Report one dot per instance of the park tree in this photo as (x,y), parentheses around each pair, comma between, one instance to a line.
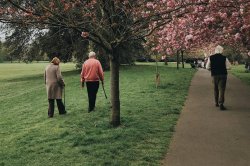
(17,43)
(67,44)
(227,23)
(176,42)
(64,43)
(3,52)
(29,44)
(219,22)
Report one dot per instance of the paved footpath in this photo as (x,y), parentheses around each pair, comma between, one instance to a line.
(206,136)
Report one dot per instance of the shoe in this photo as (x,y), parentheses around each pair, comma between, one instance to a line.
(91,109)
(222,107)
(50,116)
(63,113)
(216,105)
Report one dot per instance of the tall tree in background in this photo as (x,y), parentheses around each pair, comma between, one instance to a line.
(3,52)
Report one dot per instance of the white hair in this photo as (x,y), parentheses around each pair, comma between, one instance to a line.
(91,54)
(218,50)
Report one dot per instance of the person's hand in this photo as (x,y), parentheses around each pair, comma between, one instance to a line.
(62,85)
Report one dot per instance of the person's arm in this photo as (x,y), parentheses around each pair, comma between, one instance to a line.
(59,77)
(228,64)
(208,65)
(82,76)
(45,77)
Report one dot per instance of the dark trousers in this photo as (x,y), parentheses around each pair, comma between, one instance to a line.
(219,83)
(92,88)
(51,108)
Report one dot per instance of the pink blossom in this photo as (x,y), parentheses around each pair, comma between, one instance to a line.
(241,11)
(170,4)
(188,37)
(237,36)
(223,15)
(85,34)
(235,14)
(150,5)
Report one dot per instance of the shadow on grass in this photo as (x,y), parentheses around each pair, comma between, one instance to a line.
(166,86)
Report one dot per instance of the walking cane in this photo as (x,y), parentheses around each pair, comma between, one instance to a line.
(106,96)
(104,91)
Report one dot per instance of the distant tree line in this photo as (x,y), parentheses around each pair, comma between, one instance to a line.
(3,52)
(28,45)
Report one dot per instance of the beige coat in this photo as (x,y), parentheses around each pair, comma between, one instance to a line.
(54,81)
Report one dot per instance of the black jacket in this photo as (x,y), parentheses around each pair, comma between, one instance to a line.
(218,65)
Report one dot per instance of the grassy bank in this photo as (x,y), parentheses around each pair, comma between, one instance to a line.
(18,70)
(240,72)
(148,116)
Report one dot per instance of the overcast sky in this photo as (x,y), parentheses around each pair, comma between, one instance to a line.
(2,36)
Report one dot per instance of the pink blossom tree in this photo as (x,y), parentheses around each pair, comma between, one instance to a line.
(218,22)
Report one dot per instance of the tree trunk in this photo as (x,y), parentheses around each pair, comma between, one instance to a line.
(177,60)
(182,59)
(114,89)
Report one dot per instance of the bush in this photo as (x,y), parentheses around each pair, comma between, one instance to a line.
(2,57)
(3,54)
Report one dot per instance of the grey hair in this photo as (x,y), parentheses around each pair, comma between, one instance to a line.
(91,54)
(218,50)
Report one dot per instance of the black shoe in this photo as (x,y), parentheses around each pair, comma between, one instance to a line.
(63,113)
(91,109)
(216,105)
(222,107)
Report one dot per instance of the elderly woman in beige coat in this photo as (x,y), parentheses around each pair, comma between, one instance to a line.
(54,86)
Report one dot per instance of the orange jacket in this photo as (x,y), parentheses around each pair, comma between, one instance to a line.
(92,71)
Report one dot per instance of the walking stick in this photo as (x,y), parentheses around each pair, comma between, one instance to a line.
(106,96)
(104,91)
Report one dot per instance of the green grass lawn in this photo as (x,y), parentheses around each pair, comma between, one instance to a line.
(14,70)
(148,117)
(240,72)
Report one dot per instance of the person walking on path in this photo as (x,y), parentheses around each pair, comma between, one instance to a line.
(218,64)
(91,73)
(54,86)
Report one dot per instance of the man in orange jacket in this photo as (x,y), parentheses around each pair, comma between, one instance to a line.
(91,73)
